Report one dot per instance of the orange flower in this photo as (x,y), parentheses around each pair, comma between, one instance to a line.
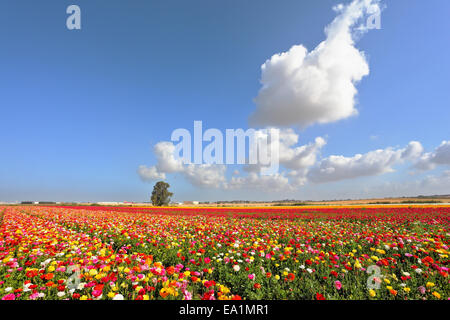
(163,293)
(393,292)
(170,270)
(49,276)
(291,276)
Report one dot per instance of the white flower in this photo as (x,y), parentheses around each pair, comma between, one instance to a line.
(302,266)
(61,294)
(8,289)
(309,270)
(236,268)
(407,274)
(118,297)
(418,270)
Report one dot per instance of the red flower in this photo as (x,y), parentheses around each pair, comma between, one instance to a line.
(320,296)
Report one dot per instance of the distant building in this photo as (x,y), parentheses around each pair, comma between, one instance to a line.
(110,203)
(190,202)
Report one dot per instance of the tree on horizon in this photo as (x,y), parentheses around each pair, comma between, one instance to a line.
(160,194)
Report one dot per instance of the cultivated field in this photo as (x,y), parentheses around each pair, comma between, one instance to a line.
(117,253)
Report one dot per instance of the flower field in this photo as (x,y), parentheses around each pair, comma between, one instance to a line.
(86,253)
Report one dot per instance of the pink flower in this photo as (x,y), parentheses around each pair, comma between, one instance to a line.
(187,295)
(97,293)
(251,276)
(338,285)
(10,296)
(34,296)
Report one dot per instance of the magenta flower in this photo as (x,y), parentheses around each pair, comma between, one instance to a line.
(10,296)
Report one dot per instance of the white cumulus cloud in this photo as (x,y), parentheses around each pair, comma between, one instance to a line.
(150,173)
(440,156)
(205,175)
(303,88)
(267,183)
(336,167)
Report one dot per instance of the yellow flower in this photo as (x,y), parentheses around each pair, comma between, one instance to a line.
(387,281)
(51,269)
(92,272)
(430,284)
(372,293)
(224,289)
(111,294)
(84,297)
(277,277)
(406,289)
(146,297)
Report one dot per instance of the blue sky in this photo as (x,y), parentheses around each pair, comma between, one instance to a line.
(82,109)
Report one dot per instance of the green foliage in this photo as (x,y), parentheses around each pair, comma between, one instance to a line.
(161,195)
